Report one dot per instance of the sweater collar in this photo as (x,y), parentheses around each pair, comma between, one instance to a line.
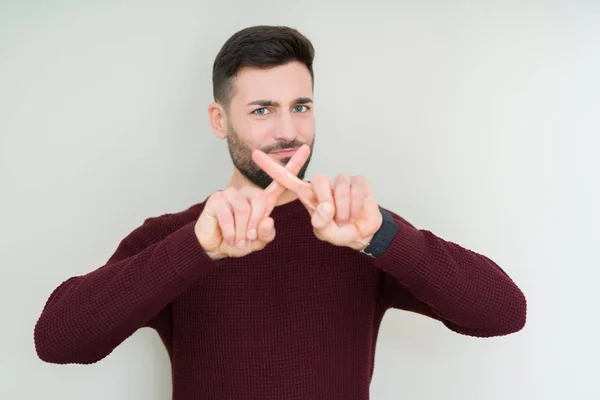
(288,209)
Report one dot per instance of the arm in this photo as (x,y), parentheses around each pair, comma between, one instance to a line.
(467,291)
(88,316)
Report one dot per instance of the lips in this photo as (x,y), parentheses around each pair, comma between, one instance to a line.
(285,152)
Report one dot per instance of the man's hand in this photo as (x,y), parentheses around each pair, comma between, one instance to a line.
(344,210)
(235,223)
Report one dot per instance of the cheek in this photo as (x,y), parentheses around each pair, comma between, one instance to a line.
(259,132)
(305,127)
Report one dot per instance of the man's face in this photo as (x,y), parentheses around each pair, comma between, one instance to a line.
(271,110)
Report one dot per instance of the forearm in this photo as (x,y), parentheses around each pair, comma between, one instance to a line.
(468,291)
(88,316)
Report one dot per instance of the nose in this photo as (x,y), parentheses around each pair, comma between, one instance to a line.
(286,129)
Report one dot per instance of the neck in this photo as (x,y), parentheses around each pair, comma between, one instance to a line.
(239,181)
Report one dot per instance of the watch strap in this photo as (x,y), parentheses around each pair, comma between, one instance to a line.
(383,237)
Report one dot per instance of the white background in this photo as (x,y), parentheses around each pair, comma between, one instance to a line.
(479,121)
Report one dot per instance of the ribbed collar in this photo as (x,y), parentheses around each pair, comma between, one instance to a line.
(282,211)
(288,209)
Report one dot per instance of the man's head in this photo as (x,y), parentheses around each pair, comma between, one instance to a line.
(263,91)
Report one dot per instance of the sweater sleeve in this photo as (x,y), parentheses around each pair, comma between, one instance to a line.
(88,316)
(466,291)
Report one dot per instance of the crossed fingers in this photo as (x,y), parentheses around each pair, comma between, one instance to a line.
(285,177)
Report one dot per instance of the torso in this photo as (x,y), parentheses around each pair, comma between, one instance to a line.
(297,320)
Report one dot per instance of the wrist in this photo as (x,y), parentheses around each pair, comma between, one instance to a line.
(363,243)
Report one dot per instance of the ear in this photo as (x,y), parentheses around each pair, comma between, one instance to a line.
(218,120)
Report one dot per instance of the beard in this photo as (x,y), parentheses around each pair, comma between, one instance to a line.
(241,156)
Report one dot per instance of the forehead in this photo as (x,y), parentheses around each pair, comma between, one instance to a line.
(282,83)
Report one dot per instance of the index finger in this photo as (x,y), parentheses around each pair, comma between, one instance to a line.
(275,189)
(284,178)
(292,167)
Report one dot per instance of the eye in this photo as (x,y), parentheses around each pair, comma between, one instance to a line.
(301,108)
(261,111)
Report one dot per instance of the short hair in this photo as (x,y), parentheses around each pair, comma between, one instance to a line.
(261,46)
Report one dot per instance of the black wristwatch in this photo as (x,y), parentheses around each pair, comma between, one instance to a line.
(383,237)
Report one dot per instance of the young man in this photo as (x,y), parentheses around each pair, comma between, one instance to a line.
(275,287)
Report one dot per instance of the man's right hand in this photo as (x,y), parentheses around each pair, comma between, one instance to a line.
(237,222)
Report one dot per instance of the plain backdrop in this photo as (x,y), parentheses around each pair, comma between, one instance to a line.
(479,121)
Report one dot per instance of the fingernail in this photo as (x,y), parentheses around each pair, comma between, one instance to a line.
(252,234)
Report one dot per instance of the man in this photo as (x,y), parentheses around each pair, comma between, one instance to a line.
(275,287)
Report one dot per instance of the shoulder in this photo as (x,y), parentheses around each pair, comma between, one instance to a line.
(172,221)
(154,230)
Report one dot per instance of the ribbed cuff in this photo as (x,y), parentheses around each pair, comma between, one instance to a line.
(188,259)
(404,253)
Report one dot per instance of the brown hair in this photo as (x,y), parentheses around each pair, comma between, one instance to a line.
(259,46)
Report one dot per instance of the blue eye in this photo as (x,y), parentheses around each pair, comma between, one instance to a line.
(300,109)
(261,111)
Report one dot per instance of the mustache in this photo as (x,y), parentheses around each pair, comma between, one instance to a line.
(295,144)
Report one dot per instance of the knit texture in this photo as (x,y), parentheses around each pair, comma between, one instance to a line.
(297,320)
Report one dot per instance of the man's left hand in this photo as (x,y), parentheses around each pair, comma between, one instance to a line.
(343,210)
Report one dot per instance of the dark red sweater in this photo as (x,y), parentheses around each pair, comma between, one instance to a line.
(297,320)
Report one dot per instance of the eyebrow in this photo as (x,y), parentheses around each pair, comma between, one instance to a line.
(270,103)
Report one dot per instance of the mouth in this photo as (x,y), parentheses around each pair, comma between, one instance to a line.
(284,153)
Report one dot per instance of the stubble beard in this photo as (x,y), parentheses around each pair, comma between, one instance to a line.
(241,156)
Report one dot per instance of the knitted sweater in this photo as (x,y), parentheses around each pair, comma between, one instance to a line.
(296,320)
